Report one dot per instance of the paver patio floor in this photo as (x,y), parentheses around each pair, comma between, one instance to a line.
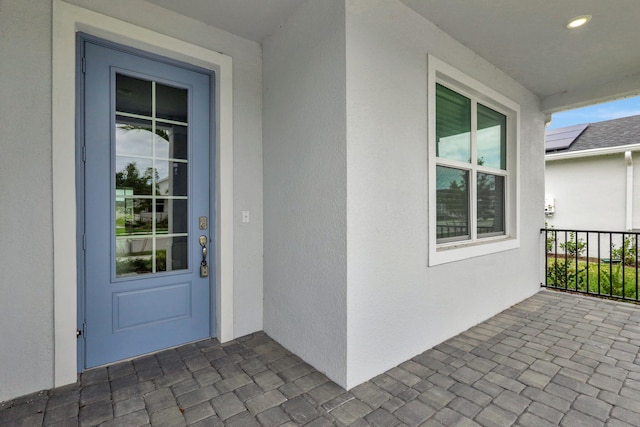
(554,359)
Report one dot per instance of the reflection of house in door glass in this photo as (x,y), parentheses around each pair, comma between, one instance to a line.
(151,177)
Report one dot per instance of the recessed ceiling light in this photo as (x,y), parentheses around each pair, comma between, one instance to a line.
(578,21)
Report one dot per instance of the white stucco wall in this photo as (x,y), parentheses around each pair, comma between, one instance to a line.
(305,186)
(590,192)
(26,240)
(26,248)
(397,306)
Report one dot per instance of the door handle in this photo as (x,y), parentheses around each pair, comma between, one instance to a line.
(204,268)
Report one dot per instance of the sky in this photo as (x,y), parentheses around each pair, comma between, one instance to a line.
(596,113)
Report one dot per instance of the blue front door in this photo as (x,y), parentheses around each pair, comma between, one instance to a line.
(146,203)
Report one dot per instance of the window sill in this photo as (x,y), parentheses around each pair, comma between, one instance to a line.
(457,251)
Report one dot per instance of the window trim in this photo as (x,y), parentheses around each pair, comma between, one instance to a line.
(440,253)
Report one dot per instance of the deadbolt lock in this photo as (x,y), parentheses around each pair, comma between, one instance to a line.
(203,222)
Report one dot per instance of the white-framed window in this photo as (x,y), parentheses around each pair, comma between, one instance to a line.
(473,141)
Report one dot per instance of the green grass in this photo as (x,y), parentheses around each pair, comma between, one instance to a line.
(594,277)
(120,227)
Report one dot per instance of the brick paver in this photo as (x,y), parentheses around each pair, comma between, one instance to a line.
(554,359)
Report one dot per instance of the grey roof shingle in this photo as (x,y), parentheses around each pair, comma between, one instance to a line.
(610,133)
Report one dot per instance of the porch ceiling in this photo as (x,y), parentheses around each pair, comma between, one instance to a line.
(529,41)
(526,39)
(251,19)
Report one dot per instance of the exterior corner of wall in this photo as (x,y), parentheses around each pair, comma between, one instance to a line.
(304,152)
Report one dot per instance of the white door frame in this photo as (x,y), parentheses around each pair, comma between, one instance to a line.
(67,21)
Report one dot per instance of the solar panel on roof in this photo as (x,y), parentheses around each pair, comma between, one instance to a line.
(562,138)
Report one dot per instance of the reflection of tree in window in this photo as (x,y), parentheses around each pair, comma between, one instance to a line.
(490,193)
(130,178)
(450,199)
(486,200)
(452,202)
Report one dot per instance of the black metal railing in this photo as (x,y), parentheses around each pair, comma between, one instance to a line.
(601,263)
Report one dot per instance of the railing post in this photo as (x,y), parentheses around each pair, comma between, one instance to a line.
(610,264)
(635,240)
(623,262)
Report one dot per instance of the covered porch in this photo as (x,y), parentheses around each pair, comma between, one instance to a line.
(553,359)
(325,133)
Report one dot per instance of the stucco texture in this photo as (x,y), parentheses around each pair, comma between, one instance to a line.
(305,186)
(26,235)
(390,305)
(395,301)
(590,192)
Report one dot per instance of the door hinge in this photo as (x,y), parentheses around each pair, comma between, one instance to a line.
(84,65)
(84,242)
(81,332)
(84,153)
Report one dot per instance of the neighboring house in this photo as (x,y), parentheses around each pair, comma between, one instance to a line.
(366,175)
(592,174)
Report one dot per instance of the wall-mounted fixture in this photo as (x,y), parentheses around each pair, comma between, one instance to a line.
(549,205)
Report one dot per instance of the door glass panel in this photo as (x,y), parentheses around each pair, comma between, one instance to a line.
(171,103)
(133,215)
(171,142)
(134,174)
(133,256)
(172,178)
(171,253)
(151,178)
(134,137)
(133,95)
(171,216)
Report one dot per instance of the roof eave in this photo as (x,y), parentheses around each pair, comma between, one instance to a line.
(591,153)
